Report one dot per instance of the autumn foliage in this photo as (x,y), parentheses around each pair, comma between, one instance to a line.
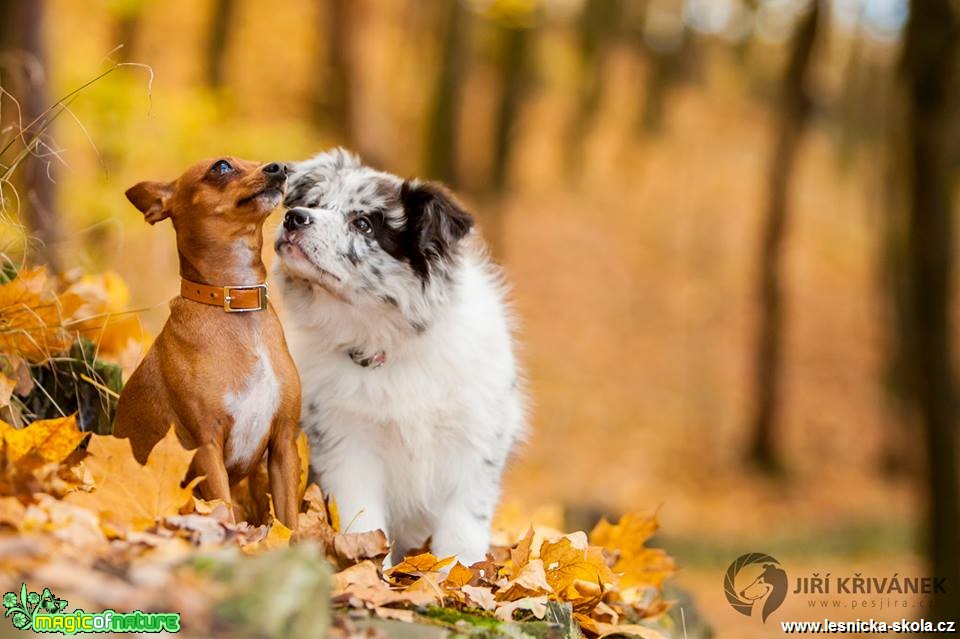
(79,502)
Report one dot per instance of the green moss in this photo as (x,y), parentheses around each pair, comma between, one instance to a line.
(452,617)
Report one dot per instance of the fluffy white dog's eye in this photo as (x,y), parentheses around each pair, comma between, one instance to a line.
(362,225)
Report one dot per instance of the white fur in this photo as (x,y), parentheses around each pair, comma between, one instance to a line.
(253,408)
(417,446)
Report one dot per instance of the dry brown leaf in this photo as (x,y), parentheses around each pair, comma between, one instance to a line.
(480,596)
(353,547)
(530,581)
(536,605)
(426,590)
(156,491)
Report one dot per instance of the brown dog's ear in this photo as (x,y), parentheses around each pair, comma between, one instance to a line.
(152,199)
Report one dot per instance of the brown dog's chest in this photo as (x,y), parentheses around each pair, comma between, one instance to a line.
(252,408)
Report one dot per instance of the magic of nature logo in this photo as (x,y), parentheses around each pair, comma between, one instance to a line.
(755,582)
(44,612)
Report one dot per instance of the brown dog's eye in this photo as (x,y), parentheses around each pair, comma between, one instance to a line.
(362,224)
(221,167)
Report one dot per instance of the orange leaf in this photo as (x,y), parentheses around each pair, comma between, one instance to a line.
(530,581)
(637,565)
(131,495)
(419,564)
(52,440)
(303,452)
(565,564)
(459,576)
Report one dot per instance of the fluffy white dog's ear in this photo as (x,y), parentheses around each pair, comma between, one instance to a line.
(436,217)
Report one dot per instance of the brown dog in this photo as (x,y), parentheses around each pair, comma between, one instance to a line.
(219,370)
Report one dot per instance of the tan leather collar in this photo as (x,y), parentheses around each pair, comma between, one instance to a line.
(232,299)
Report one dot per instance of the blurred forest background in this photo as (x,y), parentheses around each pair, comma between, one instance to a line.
(727,225)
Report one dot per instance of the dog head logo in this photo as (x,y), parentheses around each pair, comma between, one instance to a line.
(755,581)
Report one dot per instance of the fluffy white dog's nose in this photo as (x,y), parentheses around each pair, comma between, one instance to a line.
(297,219)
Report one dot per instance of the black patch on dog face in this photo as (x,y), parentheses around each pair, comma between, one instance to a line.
(435,224)
(297,190)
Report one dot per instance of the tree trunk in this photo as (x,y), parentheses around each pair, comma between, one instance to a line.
(23,32)
(219,34)
(794,113)
(126,29)
(333,95)
(929,56)
(598,23)
(440,160)
(512,71)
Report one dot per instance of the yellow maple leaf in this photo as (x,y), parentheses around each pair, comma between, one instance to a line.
(130,495)
(30,317)
(459,576)
(50,440)
(636,564)
(565,564)
(419,564)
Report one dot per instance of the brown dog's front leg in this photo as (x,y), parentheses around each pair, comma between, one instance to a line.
(208,461)
(283,464)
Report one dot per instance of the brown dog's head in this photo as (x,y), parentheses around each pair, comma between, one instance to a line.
(228,188)
(218,208)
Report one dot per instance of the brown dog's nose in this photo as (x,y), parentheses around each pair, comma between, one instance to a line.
(296,219)
(275,169)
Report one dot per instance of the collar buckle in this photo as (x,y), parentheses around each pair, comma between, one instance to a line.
(228,292)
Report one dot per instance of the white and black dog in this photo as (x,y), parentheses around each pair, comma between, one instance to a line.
(397,323)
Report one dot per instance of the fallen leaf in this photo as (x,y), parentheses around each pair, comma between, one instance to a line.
(50,440)
(303,452)
(636,564)
(530,581)
(459,576)
(277,537)
(565,564)
(129,495)
(30,316)
(536,605)
(480,596)
(419,564)
(353,547)
(521,553)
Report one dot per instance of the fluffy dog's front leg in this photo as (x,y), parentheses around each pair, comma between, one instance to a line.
(462,528)
(355,480)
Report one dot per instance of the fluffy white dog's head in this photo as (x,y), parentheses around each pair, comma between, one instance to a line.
(370,238)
